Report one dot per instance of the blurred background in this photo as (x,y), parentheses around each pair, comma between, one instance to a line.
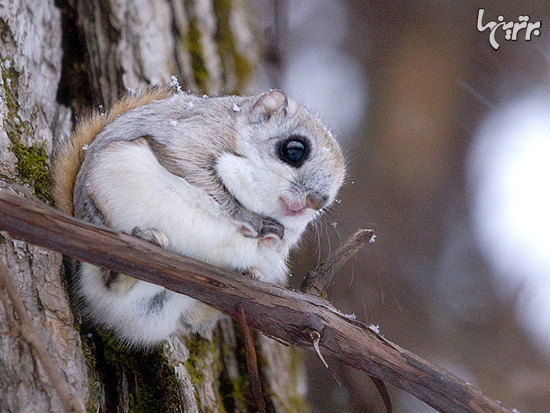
(448,148)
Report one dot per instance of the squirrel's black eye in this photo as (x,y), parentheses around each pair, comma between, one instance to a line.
(294,150)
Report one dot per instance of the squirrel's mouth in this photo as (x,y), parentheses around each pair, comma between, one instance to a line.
(292,208)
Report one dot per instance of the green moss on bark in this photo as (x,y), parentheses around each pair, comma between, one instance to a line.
(193,45)
(32,161)
(232,60)
(147,378)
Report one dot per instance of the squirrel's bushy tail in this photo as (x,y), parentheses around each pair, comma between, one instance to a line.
(71,155)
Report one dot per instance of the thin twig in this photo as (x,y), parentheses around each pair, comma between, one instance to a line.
(383,390)
(251,360)
(26,329)
(316,338)
(318,280)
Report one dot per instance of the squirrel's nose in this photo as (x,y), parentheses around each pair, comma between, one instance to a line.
(316,200)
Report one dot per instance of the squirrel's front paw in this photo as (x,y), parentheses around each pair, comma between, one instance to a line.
(252,225)
(271,229)
(271,234)
(152,235)
(249,224)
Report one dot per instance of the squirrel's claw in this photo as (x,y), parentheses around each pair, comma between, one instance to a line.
(272,228)
(152,235)
(252,225)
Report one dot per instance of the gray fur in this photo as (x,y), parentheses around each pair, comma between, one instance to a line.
(180,131)
(219,163)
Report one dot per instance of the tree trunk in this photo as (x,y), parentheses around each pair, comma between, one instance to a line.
(83,54)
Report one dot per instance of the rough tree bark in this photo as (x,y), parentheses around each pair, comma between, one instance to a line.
(58,59)
(30,53)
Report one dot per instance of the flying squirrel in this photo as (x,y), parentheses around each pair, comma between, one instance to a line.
(232,181)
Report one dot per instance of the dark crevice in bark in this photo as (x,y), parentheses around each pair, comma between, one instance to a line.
(75,90)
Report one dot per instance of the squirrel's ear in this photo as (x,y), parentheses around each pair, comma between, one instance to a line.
(267,105)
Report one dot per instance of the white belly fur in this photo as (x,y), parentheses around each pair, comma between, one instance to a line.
(133,190)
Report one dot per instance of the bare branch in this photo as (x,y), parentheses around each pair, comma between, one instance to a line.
(318,280)
(289,316)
